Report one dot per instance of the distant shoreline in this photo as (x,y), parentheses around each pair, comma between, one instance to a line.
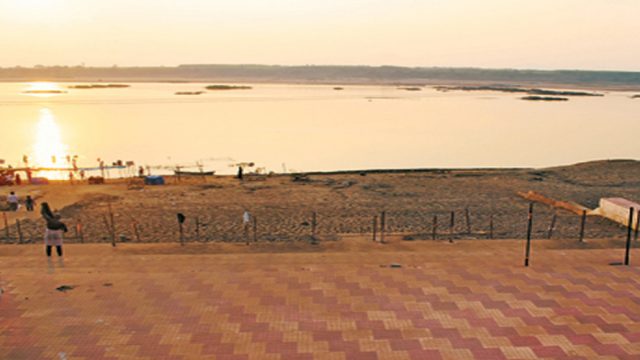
(332,76)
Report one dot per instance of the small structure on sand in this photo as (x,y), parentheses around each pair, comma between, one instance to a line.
(617,210)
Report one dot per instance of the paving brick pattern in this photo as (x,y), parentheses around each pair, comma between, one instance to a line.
(568,304)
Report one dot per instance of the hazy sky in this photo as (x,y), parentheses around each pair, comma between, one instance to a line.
(546,34)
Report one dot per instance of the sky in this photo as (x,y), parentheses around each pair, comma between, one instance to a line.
(524,34)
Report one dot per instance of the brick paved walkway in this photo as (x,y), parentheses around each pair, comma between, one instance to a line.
(449,304)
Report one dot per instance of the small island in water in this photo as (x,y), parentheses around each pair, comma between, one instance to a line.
(410,88)
(190,93)
(544,98)
(228,87)
(636,96)
(517,90)
(42,92)
(98,86)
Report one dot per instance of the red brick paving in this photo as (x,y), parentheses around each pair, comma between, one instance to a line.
(450,304)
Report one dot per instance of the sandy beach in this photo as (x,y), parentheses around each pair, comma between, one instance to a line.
(344,203)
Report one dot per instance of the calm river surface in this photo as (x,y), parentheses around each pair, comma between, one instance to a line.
(314,127)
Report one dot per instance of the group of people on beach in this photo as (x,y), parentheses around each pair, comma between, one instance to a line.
(14,202)
(54,228)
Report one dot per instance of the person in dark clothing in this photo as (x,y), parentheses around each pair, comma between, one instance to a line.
(54,230)
(240,171)
(29,203)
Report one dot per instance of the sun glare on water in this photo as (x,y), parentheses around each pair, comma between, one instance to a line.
(49,151)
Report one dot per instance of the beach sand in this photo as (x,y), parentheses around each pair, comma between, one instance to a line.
(344,203)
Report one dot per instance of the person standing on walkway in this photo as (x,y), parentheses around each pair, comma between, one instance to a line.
(54,230)
(12,199)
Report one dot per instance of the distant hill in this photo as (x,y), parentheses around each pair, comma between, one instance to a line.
(392,75)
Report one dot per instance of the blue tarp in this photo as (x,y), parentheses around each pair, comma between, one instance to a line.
(154,180)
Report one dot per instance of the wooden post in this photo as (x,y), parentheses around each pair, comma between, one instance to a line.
(552,226)
(255,228)
(108,226)
(197,229)
(629,226)
(434,230)
(491,226)
(468,220)
(6,225)
(113,227)
(76,232)
(80,231)
(383,219)
(313,224)
(529,227)
(375,227)
(635,236)
(136,232)
(582,223)
(181,229)
(452,224)
(20,239)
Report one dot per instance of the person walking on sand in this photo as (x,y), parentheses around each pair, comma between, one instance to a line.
(54,230)
(240,172)
(29,203)
(12,199)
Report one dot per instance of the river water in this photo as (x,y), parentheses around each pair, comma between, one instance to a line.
(315,127)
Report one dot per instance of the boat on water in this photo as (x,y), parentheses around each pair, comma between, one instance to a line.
(194,173)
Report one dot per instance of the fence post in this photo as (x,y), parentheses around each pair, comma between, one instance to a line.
(529,226)
(136,232)
(375,227)
(451,226)
(629,226)
(635,236)
(313,225)
(255,228)
(383,219)
(582,224)
(434,233)
(6,225)
(20,239)
(491,226)
(198,228)
(552,226)
(79,231)
(113,227)
(468,220)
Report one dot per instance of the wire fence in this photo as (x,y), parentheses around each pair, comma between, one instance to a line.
(108,224)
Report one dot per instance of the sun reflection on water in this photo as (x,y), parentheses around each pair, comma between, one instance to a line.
(49,151)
